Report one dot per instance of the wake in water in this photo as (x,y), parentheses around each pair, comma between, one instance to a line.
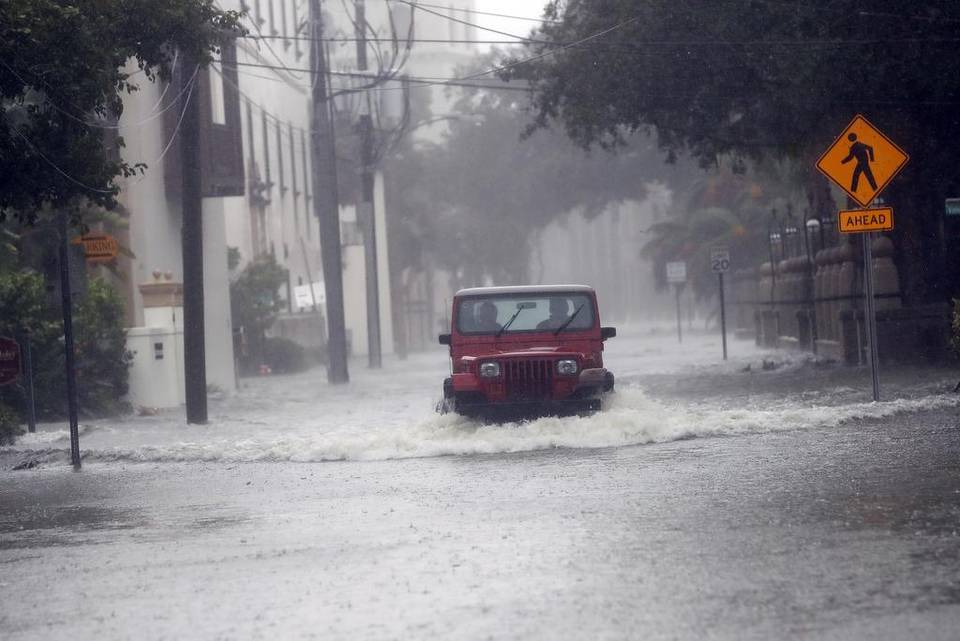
(632,418)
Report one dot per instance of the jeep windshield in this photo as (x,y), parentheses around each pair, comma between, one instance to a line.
(529,313)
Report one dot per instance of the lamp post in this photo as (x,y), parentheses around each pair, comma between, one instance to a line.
(811,226)
(774,237)
(791,239)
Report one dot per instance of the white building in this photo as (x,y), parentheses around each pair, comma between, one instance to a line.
(256,116)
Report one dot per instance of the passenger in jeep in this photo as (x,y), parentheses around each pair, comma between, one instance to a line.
(559,312)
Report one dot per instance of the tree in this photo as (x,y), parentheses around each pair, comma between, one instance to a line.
(476,199)
(103,361)
(254,302)
(62,79)
(760,80)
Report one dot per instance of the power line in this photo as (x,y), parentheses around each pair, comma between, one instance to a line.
(458,20)
(479,74)
(485,13)
(637,45)
(58,169)
(190,85)
(154,114)
(412,40)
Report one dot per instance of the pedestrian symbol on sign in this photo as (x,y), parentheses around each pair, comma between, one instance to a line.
(864,156)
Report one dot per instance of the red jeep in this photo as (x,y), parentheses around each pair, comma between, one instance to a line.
(526,351)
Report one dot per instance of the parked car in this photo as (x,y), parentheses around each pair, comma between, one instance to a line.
(526,351)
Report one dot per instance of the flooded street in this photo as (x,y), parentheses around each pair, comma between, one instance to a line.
(669,515)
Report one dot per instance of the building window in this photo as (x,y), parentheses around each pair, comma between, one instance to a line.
(266,151)
(306,182)
(280,172)
(283,24)
(218,107)
(293,178)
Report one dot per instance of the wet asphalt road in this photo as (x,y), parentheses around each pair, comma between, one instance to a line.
(842,533)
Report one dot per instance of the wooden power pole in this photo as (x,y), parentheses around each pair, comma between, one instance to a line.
(194,346)
(326,201)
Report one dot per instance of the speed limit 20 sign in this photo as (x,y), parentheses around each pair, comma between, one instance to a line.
(720,260)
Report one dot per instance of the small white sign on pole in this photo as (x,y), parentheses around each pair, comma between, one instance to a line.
(677,272)
(303,298)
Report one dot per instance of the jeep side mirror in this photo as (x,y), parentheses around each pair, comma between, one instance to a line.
(607,332)
(444,339)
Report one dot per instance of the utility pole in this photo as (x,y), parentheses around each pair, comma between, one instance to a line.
(191,232)
(326,201)
(66,300)
(366,211)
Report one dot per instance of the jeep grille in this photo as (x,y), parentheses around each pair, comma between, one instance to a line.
(528,380)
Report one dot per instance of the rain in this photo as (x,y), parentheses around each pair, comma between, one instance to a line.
(390,319)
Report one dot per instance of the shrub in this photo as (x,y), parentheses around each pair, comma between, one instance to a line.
(284,356)
(254,304)
(9,425)
(103,362)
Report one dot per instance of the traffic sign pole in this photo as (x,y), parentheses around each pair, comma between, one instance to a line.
(723,315)
(28,373)
(870,318)
(679,324)
(719,264)
(67,304)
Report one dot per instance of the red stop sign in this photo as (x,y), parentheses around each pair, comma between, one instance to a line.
(9,360)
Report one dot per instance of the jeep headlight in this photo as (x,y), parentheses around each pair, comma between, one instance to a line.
(490,369)
(567,367)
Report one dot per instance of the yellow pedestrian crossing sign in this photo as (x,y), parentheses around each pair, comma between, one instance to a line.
(862,161)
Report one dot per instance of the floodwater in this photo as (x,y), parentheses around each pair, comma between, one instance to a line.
(709,501)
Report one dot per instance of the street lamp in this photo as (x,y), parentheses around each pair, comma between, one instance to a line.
(812,225)
(774,237)
(791,240)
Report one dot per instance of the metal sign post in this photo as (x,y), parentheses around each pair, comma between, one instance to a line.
(677,287)
(677,274)
(28,374)
(719,264)
(862,161)
(67,304)
(870,317)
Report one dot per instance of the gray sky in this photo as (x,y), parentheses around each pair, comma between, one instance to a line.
(526,8)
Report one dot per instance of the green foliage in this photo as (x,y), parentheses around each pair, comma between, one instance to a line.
(284,356)
(62,78)
(254,303)
(725,208)
(233,258)
(477,199)
(103,362)
(9,425)
(102,359)
(763,81)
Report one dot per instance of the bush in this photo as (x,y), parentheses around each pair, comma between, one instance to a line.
(284,356)
(254,304)
(103,362)
(9,425)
